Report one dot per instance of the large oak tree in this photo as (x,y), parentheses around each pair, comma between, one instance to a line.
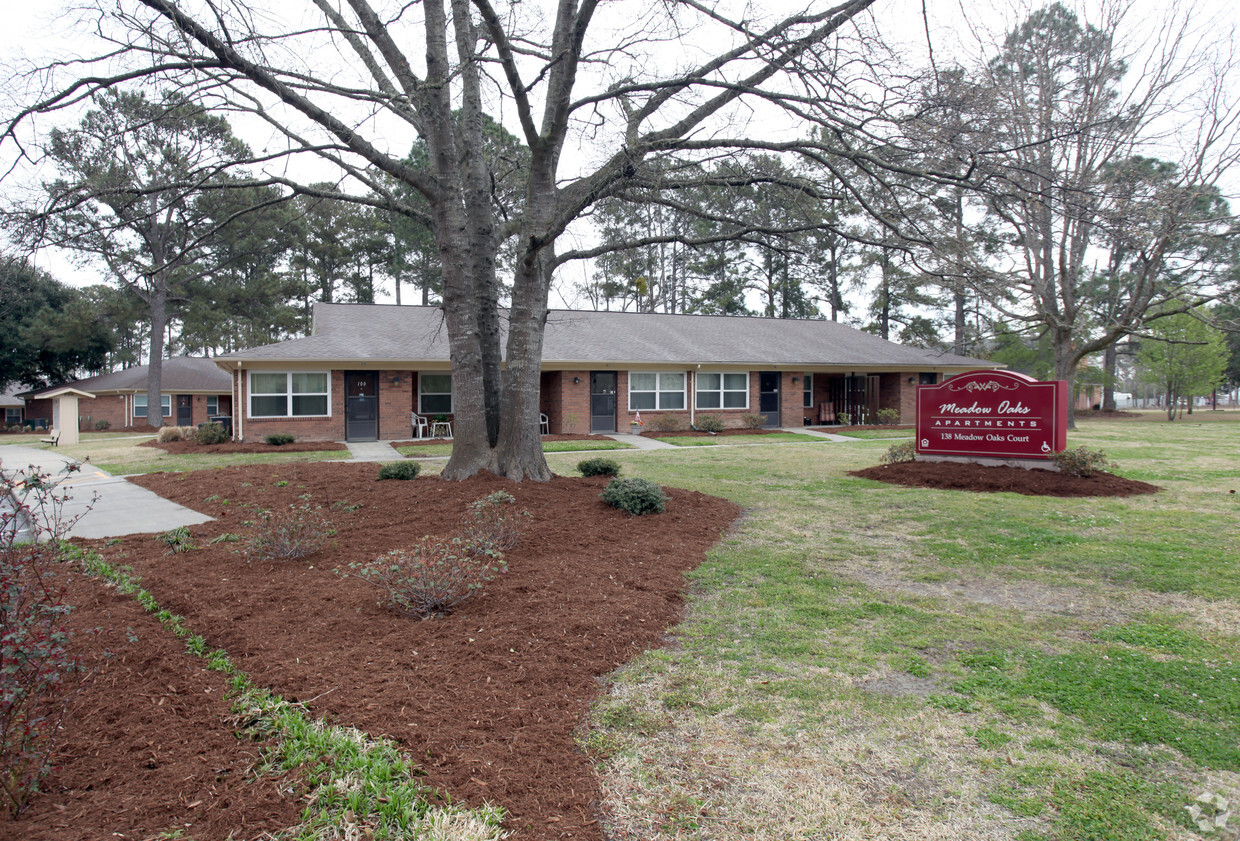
(602,97)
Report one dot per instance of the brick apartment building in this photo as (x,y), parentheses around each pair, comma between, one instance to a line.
(366,369)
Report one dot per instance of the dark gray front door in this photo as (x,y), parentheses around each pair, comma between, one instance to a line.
(361,405)
(185,410)
(768,397)
(602,401)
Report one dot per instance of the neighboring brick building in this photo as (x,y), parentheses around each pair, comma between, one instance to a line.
(366,368)
(194,389)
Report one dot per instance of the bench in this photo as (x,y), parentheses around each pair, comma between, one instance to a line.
(54,439)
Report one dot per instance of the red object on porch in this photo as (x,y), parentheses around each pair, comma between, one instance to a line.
(826,412)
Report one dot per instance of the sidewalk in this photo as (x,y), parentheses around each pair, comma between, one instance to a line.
(372,451)
(118,507)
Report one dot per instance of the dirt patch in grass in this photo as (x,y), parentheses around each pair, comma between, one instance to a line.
(485,700)
(961,476)
(194,448)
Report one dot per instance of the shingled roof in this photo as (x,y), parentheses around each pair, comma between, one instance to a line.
(192,374)
(383,333)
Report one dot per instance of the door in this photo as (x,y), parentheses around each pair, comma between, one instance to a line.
(768,398)
(602,401)
(185,410)
(361,405)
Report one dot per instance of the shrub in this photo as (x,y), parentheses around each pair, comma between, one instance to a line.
(896,453)
(636,496)
(493,523)
(279,439)
(667,423)
(102,424)
(294,532)
(399,470)
(710,423)
(177,540)
(1082,461)
(38,674)
(888,416)
(211,433)
(171,433)
(432,576)
(598,467)
(753,421)
(843,418)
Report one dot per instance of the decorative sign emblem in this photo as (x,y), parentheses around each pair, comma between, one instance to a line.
(993,414)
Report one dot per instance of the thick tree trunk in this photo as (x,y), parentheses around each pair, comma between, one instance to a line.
(1108,378)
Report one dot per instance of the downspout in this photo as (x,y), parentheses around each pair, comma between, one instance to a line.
(238,406)
(692,380)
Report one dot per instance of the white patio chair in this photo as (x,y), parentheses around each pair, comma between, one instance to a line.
(421,426)
(544,424)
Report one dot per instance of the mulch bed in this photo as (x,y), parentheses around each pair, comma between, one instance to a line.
(194,448)
(962,476)
(486,700)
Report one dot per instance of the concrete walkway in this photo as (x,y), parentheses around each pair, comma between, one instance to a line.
(118,507)
(372,451)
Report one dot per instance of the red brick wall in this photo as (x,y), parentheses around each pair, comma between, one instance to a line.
(306,429)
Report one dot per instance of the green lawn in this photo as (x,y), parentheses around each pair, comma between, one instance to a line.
(861,660)
(445,449)
(120,455)
(871,434)
(711,441)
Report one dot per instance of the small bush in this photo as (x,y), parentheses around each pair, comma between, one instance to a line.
(635,496)
(598,467)
(493,523)
(211,433)
(1082,461)
(177,540)
(399,470)
(710,423)
(843,418)
(753,421)
(432,576)
(279,439)
(102,424)
(888,416)
(168,434)
(667,423)
(896,453)
(297,531)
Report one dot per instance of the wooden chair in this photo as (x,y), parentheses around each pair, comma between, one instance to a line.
(421,426)
(544,424)
(826,412)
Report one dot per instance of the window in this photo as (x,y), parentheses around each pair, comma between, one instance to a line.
(12,416)
(435,394)
(723,391)
(653,391)
(288,395)
(139,405)
(213,405)
(808,381)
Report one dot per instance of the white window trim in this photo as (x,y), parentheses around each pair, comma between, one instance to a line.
(807,385)
(659,392)
(288,394)
(422,393)
(216,398)
(698,390)
(165,403)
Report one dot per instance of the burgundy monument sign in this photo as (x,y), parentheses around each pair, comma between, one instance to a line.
(992,415)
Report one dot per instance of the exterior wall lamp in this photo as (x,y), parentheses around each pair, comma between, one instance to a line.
(576,380)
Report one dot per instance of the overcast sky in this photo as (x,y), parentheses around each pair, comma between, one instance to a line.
(955,27)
